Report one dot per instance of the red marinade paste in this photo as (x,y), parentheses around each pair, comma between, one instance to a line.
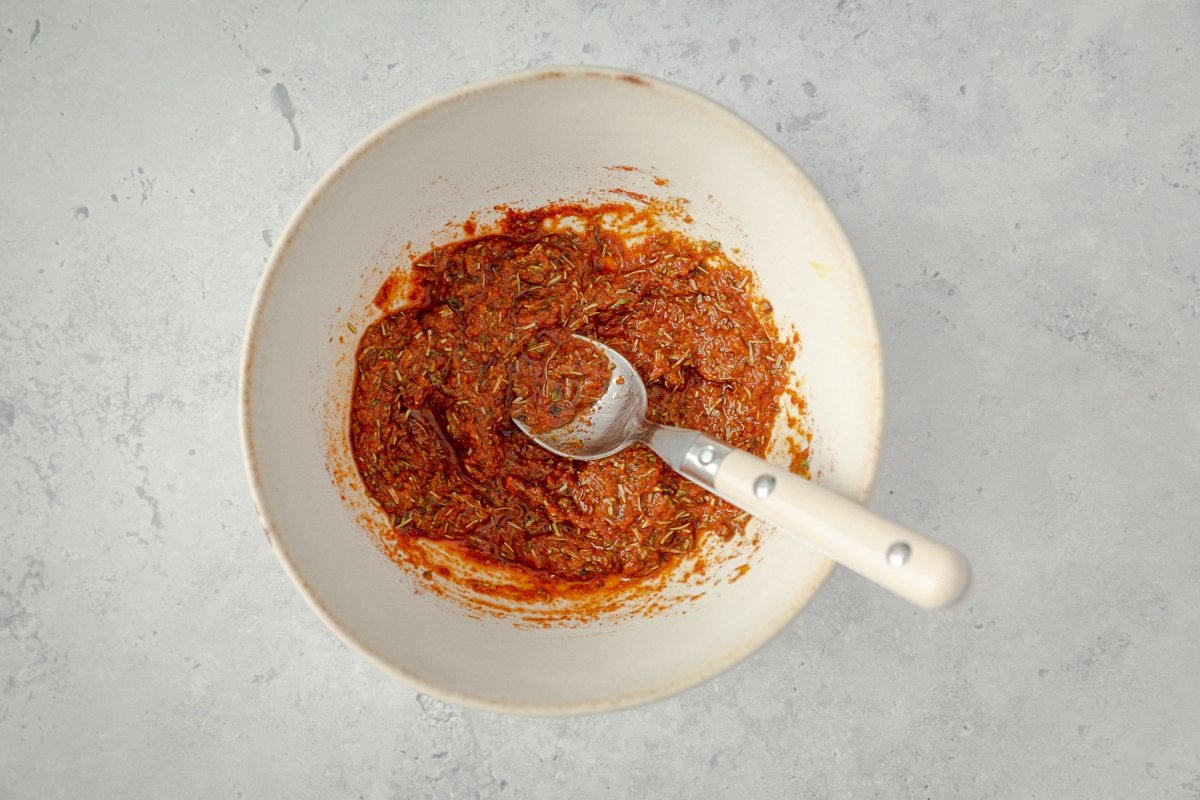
(437,385)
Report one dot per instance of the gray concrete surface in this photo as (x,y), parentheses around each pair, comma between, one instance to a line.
(1022,182)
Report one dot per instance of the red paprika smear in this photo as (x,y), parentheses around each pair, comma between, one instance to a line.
(556,380)
(435,392)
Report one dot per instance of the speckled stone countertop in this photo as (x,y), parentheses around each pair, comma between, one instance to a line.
(1022,183)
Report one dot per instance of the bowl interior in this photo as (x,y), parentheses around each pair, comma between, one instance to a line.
(526,140)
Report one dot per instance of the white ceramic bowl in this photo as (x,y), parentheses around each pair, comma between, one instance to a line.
(528,139)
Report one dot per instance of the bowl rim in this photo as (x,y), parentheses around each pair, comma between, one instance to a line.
(789,169)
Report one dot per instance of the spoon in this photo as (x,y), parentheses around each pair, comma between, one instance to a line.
(920,570)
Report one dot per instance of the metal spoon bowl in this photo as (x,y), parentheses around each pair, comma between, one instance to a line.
(913,566)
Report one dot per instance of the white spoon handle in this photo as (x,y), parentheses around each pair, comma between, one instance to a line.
(917,568)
